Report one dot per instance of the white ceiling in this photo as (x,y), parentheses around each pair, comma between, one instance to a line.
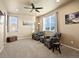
(47,5)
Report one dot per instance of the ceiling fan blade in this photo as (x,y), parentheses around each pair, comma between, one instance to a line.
(27,8)
(39,8)
(33,6)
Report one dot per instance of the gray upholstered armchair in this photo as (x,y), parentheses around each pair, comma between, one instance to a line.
(38,36)
(52,40)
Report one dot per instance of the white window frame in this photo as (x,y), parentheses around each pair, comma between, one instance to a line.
(55,15)
(9,29)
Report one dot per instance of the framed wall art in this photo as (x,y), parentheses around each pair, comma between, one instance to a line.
(72,18)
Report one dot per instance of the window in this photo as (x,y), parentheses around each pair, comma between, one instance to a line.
(49,23)
(12,24)
(2,25)
(1,20)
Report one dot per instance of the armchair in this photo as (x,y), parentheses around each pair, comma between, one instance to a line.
(38,36)
(52,40)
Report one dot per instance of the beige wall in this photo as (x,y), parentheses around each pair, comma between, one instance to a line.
(23,31)
(36,24)
(2,31)
(70,32)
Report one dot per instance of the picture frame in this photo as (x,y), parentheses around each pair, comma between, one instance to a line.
(72,18)
(27,23)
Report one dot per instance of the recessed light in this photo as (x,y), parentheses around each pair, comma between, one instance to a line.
(57,0)
(17,9)
(39,23)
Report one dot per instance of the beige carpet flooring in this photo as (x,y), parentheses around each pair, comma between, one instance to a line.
(34,49)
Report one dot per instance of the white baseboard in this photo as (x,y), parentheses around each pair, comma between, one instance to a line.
(21,38)
(1,49)
(70,47)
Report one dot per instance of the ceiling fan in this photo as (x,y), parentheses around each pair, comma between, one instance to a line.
(34,8)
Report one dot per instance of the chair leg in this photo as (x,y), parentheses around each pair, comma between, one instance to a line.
(53,49)
(59,50)
(56,47)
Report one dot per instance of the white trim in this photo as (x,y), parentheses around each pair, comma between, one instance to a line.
(20,38)
(1,49)
(70,47)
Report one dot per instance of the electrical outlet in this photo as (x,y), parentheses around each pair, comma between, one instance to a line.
(72,42)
